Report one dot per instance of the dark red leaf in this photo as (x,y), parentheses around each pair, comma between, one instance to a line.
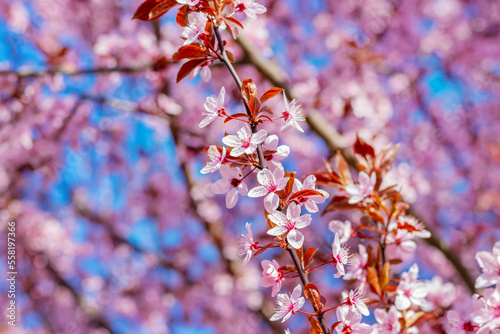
(364,149)
(232,20)
(142,13)
(266,109)
(312,293)
(182,16)
(309,256)
(248,91)
(305,193)
(188,67)
(270,93)
(190,52)
(262,249)
(230,57)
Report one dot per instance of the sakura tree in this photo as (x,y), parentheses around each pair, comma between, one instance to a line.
(251,166)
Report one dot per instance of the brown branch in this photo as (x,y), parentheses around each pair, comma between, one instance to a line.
(54,71)
(335,142)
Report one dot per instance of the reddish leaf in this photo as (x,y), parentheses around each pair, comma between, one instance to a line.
(312,293)
(188,67)
(305,193)
(236,22)
(315,326)
(190,52)
(219,5)
(343,168)
(390,288)
(309,256)
(162,8)
(395,261)
(248,91)
(142,13)
(289,185)
(300,255)
(230,57)
(270,93)
(182,16)
(373,280)
(335,324)
(266,109)
(254,105)
(262,249)
(289,267)
(269,222)
(385,275)
(362,148)
(266,117)
(339,203)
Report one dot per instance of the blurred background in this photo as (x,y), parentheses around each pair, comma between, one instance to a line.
(100,153)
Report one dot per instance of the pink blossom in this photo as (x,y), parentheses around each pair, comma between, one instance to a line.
(388,322)
(410,291)
(488,316)
(231,184)
(216,159)
(280,152)
(290,223)
(350,322)
(359,262)
(355,300)
(245,141)
(288,305)
(310,202)
(188,2)
(458,325)
(440,295)
(249,7)
(270,183)
(206,74)
(246,245)
(410,224)
(363,189)
(343,229)
(196,27)
(490,264)
(214,107)
(292,115)
(340,256)
(272,276)
(400,244)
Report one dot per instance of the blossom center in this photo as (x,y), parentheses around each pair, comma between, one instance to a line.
(272,188)
(290,226)
(235,182)
(254,246)
(245,143)
(286,114)
(240,7)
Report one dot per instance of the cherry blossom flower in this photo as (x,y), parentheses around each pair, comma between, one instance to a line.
(196,27)
(231,184)
(387,322)
(310,202)
(188,2)
(216,159)
(363,189)
(288,305)
(343,229)
(458,325)
(272,276)
(440,295)
(356,301)
(287,331)
(410,224)
(281,152)
(488,316)
(292,115)
(410,291)
(340,256)
(214,107)
(204,68)
(246,245)
(350,322)
(490,264)
(290,223)
(359,263)
(400,244)
(245,141)
(270,183)
(249,7)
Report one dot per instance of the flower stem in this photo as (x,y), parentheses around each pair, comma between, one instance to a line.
(225,60)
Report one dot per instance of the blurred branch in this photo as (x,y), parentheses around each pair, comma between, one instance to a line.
(49,72)
(335,142)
